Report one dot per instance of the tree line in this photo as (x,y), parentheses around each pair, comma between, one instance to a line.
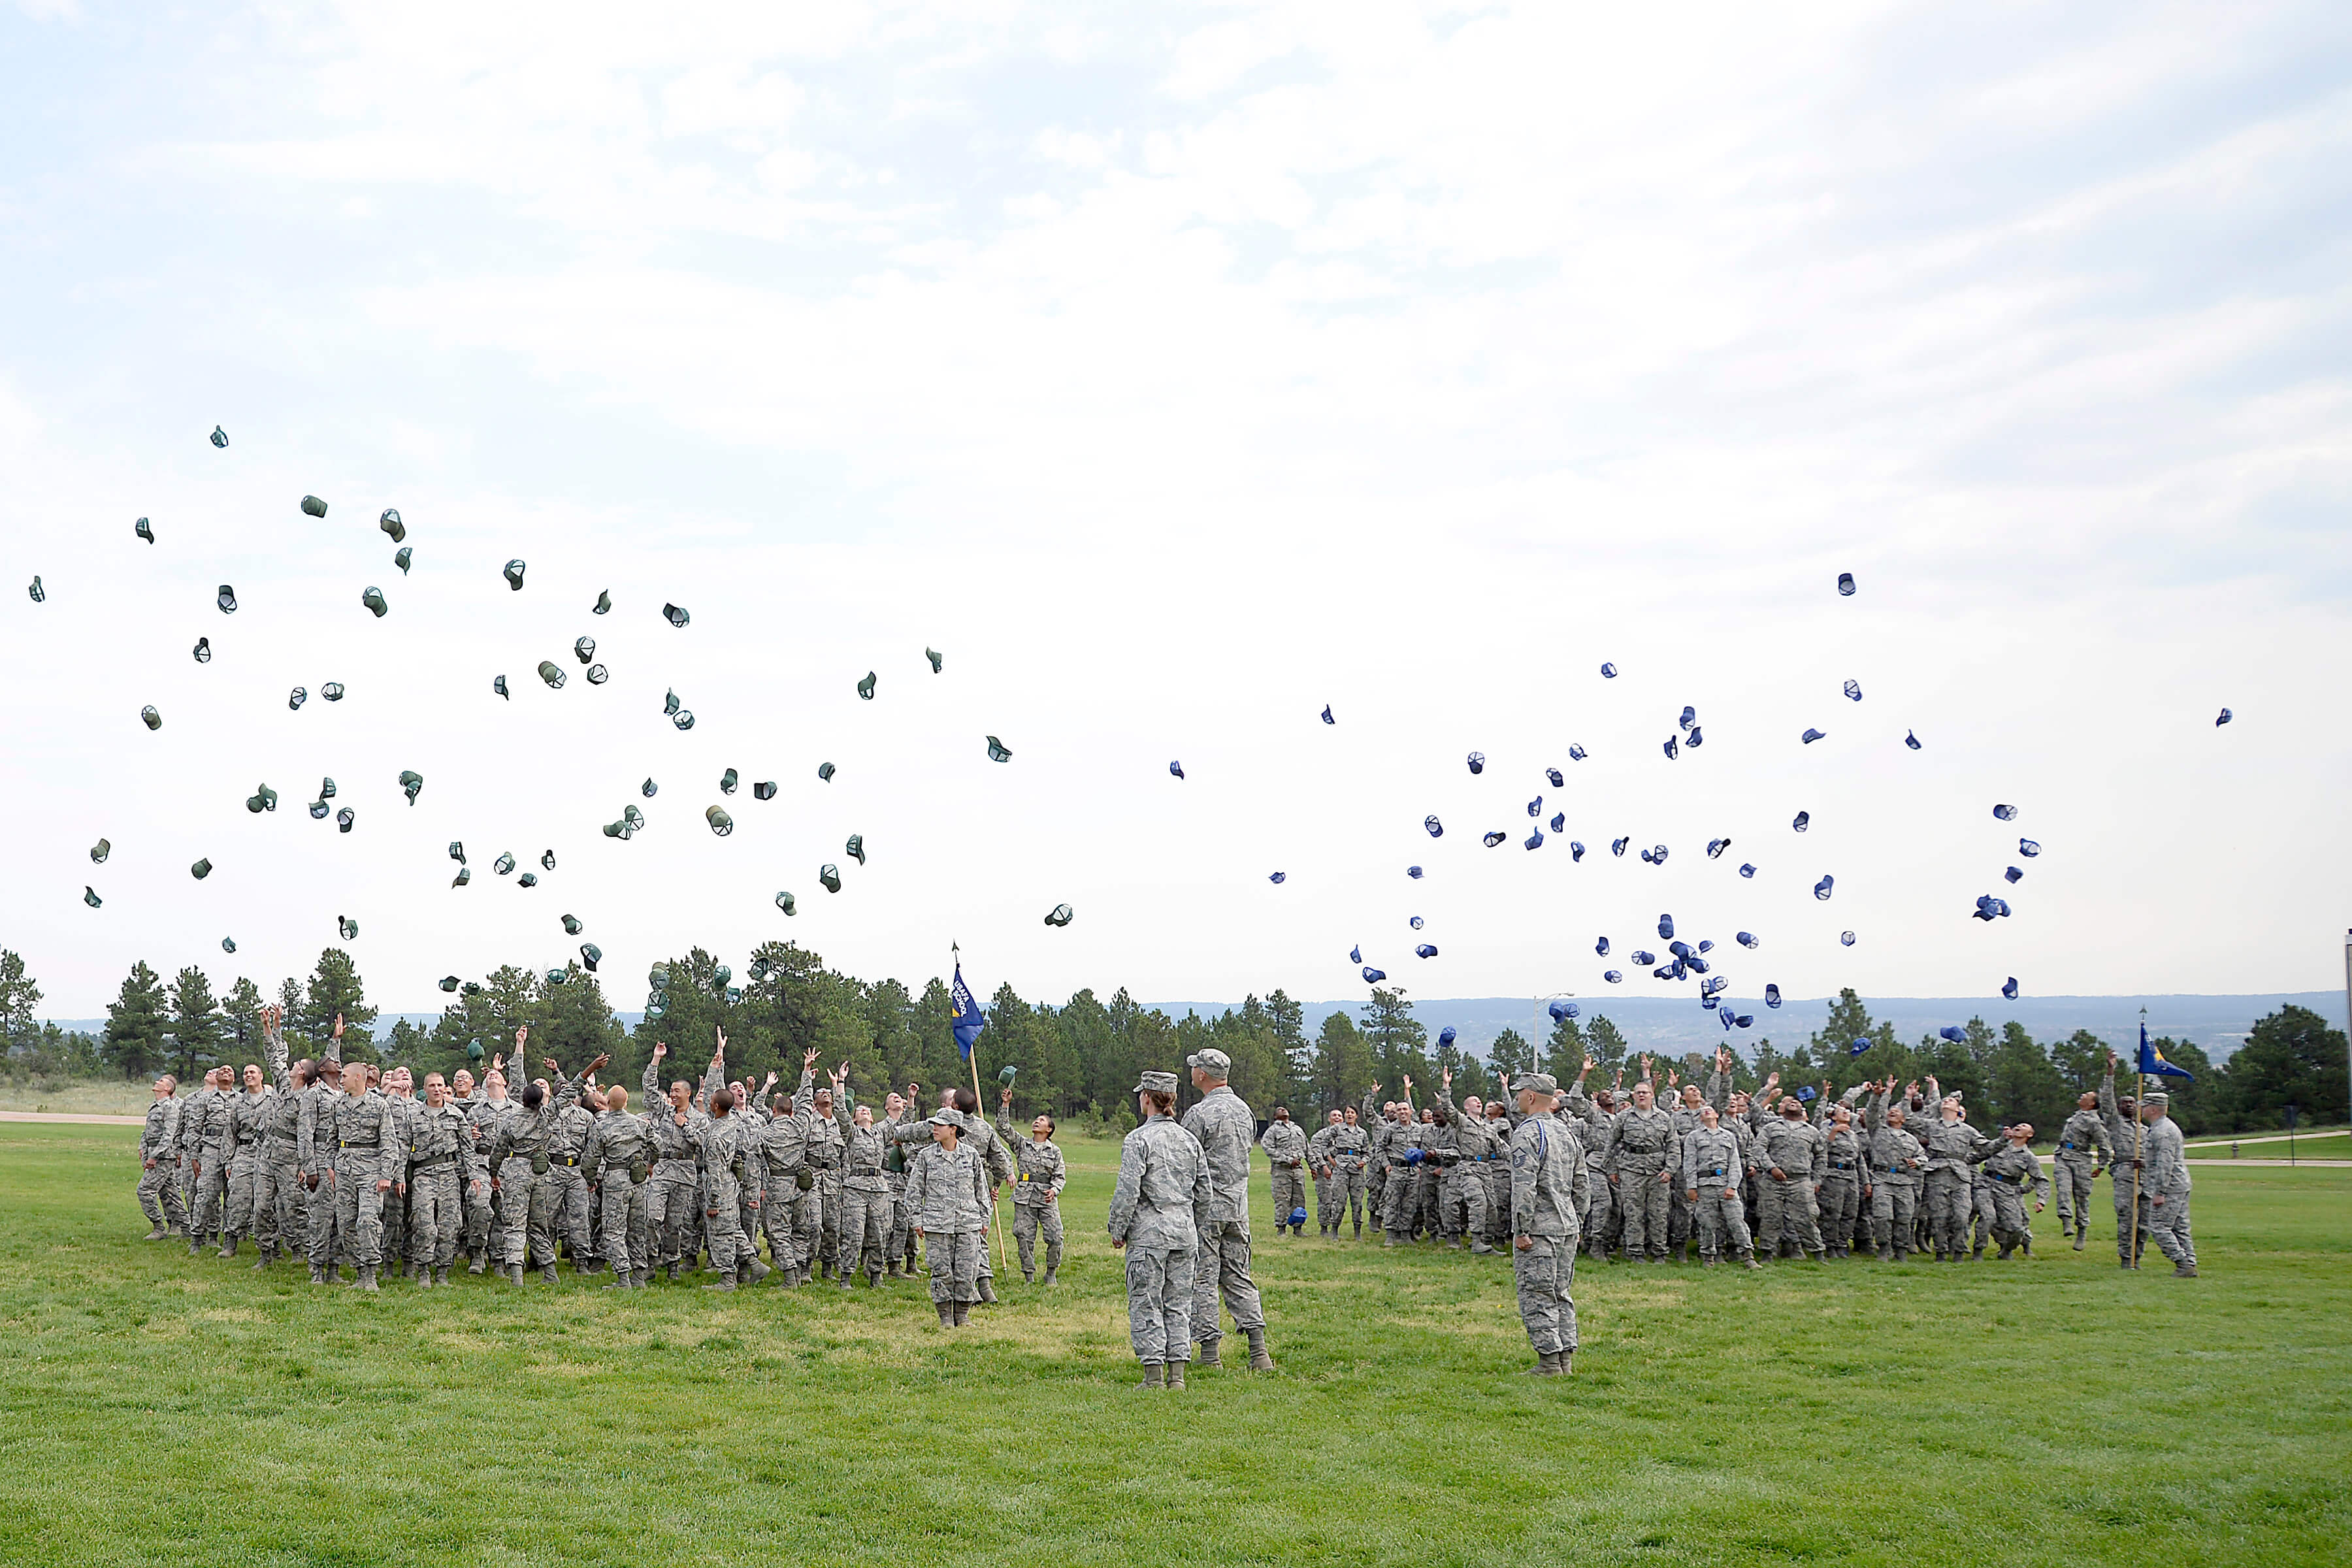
(1078,1058)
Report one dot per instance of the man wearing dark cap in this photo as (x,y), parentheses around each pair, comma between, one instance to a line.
(1544,1161)
(2128,1164)
(2164,1176)
(1223,1124)
(1164,1203)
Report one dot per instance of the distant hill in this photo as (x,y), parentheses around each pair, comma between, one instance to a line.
(1657,1024)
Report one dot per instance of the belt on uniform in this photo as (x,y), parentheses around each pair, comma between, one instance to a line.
(564,1159)
(1840,1165)
(2012,1181)
(430,1160)
(244,1141)
(347,1143)
(1718,1174)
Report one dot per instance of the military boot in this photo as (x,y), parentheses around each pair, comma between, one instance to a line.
(963,1314)
(1360,1230)
(158,1234)
(228,1246)
(425,1277)
(1748,1260)
(1206,1354)
(1028,1277)
(317,1275)
(367,1280)
(845,1283)
(1152,1377)
(2184,1272)
(947,1314)
(1977,1253)
(547,1273)
(1175,1374)
(2079,1234)
(1260,1361)
(894,1268)
(1480,1246)
(263,1261)
(481,1261)
(757,1270)
(726,1284)
(672,1272)
(1546,1364)
(441,1275)
(1050,1271)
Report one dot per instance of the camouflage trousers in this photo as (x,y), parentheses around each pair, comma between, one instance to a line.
(866,1215)
(670,1200)
(722,1223)
(1984,1210)
(396,1220)
(953,1258)
(1721,1220)
(1544,1272)
(277,1201)
(2072,1183)
(1399,1201)
(901,1244)
(529,1204)
(1786,1211)
(2169,1222)
(824,1213)
(780,1217)
(1681,1221)
(359,1208)
(1950,1201)
(1642,1202)
(1349,1185)
(1289,1193)
(485,1234)
(1892,1202)
(244,1187)
(2123,1248)
(2013,1219)
(1030,1220)
(1424,1200)
(324,1235)
(207,1195)
(436,1212)
(1223,1266)
(1376,1178)
(624,1239)
(1839,1201)
(1329,1193)
(159,1195)
(1159,1290)
(1602,1218)
(567,1211)
(1498,1203)
(1462,1203)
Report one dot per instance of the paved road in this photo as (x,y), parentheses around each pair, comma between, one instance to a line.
(60,1116)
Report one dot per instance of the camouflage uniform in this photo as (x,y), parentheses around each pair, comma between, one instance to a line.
(2164,1169)
(159,1182)
(1795,1148)
(1164,1203)
(674,1194)
(568,1188)
(1285,1144)
(314,1155)
(1681,1219)
(439,1157)
(247,1113)
(997,1165)
(1603,1216)
(1895,1161)
(404,1108)
(1641,1147)
(367,1151)
(1462,1192)
(720,1155)
(2008,1172)
(2127,1147)
(279,1220)
(1037,1198)
(1950,1197)
(617,1161)
(524,1167)
(2082,1149)
(1711,1166)
(1840,1195)
(825,1141)
(868,1206)
(1222,1123)
(1401,1191)
(204,1161)
(900,1249)
(1438,1155)
(948,1192)
(1547,1161)
(789,1215)
(485,1236)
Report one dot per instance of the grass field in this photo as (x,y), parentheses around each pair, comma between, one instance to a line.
(164,1409)
(81,1097)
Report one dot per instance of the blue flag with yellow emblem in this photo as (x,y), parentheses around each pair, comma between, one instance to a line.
(969,1019)
(2152,1062)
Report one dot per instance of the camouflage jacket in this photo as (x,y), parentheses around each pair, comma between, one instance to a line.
(1040,1168)
(1794,1147)
(621,1140)
(160,1139)
(946,1191)
(367,1139)
(1547,1164)
(2012,1166)
(1222,1123)
(1165,1197)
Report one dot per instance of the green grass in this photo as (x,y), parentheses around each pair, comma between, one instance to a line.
(84,1097)
(163,1409)
(2322,1145)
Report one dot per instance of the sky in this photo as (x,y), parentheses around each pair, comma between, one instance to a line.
(1175,372)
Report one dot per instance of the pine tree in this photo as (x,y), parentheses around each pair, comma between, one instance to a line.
(335,989)
(134,1023)
(198,1030)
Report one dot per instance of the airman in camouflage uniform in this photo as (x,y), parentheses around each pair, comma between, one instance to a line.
(2010,1168)
(2134,1197)
(1351,1172)
(1285,1143)
(1592,1117)
(159,1162)
(791,1216)
(1846,1164)
(484,1238)
(567,1141)
(1547,1161)
(617,1161)
(368,1160)
(2164,1174)
(314,1151)
(723,1136)
(280,1224)
(1222,1122)
(1164,1203)
(825,1141)
(1318,1166)
(1642,1155)
(1712,1167)
(674,1196)
(439,1139)
(241,1135)
(2082,1150)
(1478,1147)
(1794,1155)
(205,1158)
(522,1163)
(1896,1160)
(1401,1144)
(947,1188)
(1036,1194)
(982,1140)
(1950,1141)
(399,1094)
(868,1205)
(1681,1218)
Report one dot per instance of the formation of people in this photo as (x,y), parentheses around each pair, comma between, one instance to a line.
(350,1165)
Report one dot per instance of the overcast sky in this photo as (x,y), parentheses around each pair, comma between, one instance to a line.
(1175,372)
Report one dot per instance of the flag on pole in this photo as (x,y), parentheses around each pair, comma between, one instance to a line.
(969,1019)
(2152,1063)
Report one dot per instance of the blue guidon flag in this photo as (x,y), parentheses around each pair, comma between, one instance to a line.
(2152,1062)
(969,1019)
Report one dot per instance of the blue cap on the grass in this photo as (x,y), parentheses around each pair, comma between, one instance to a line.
(1821,889)
(2009,989)
(1809,736)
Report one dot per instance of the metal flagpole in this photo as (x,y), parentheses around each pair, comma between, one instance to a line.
(2139,1094)
(972,1061)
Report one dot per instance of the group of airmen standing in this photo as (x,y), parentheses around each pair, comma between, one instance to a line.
(347,1164)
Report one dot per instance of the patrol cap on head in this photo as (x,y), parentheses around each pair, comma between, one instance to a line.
(1156,1083)
(1213,1062)
(1536,1083)
(2156,1098)
(943,1119)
